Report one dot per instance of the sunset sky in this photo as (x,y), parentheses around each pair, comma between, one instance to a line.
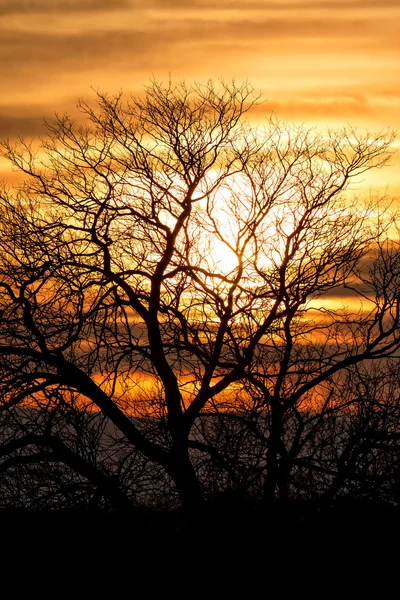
(322,62)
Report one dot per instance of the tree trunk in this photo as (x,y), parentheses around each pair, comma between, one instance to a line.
(184,477)
(273,481)
(283,480)
(271,476)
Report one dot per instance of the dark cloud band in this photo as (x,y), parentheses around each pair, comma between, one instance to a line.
(21,7)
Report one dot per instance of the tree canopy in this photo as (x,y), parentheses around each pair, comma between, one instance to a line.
(167,277)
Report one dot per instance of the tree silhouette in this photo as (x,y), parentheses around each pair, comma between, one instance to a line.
(165,278)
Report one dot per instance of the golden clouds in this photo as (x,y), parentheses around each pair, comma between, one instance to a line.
(318,61)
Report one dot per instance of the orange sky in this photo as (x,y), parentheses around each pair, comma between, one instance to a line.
(324,62)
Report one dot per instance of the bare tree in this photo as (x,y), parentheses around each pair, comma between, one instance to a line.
(166,257)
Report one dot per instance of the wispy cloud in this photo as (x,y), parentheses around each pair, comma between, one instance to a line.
(32,7)
(311,59)
(267,5)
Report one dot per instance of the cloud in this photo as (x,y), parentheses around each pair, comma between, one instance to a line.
(29,121)
(23,7)
(339,5)
(286,53)
(159,41)
(342,293)
(63,7)
(334,5)
(239,31)
(32,52)
(267,6)
(346,106)
(12,126)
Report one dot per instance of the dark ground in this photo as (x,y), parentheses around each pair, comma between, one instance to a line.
(244,551)
(216,522)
